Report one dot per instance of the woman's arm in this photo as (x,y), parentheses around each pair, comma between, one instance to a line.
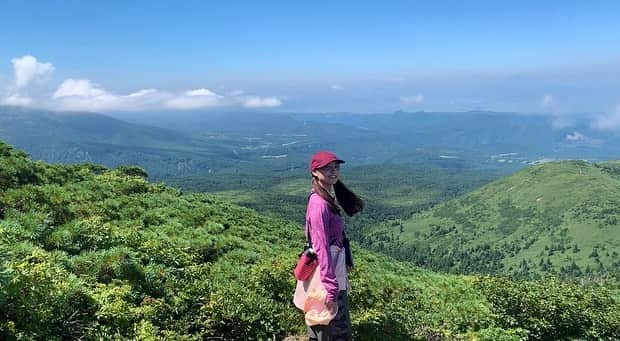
(318,220)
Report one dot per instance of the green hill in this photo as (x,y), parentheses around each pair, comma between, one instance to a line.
(94,253)
(560,217)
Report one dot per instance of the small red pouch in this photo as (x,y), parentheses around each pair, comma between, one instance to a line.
(306,264)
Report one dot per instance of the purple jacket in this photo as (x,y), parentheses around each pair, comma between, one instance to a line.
(326,229)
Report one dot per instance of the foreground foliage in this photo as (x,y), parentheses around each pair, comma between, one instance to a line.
(92,253)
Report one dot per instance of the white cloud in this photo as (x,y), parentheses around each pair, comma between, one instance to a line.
(337,87)
(142,93)
(28,69)
(185,103)
(195,99)
(79,88)
(608,121)
(202,92)
(17,100)
(262,102)
(85,95)
(419,98)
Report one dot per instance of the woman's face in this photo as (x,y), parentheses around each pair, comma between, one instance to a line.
(329,174)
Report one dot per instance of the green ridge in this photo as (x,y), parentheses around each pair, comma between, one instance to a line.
(561,218)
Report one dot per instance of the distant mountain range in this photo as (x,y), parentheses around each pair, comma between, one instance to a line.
(461,139)
(173,144)
(64,137)
(490,135)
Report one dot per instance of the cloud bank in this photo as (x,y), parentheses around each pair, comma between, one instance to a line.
(84,95)
(81,94)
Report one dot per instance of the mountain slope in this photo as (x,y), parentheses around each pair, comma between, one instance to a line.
(67,137)
(204,143)
(560,217)
(92,253)
(19,123)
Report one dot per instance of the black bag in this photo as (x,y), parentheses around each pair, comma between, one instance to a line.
(347,250)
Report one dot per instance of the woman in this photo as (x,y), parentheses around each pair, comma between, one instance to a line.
(325,227)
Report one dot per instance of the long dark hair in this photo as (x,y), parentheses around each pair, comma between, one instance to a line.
(349,202)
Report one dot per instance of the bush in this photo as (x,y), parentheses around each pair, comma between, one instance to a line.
(129,170)
(550,309)
(51,200)
(106,266)
(41,298)
(16,169)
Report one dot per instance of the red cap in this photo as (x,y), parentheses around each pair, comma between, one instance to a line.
(322,158)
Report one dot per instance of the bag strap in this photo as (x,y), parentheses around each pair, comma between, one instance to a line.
(308,237)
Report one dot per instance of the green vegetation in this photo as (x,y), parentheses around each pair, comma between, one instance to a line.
(93,253)
(390,191)
(554,219)
(558,218)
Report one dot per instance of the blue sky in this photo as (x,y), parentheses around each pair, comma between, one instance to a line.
(528,56)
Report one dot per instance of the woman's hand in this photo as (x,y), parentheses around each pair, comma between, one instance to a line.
(349,268)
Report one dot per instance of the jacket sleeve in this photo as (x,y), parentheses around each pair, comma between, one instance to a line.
(318,221)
